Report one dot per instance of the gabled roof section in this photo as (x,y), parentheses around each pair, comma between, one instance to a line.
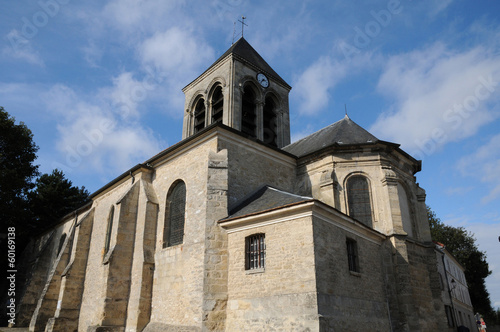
(265,199)
(343,132)
(244,52)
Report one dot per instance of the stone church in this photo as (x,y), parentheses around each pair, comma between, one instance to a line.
(234,228)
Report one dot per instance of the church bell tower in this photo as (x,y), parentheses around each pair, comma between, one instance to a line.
(241,91)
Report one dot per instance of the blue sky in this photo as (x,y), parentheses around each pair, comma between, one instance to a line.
(99,83)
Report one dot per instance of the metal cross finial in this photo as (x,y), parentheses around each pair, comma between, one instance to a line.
(242,21)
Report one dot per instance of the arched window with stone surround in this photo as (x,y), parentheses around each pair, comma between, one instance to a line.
(358,199)
(217,103)
(199,115)
(175,210)
(249,112)
(270,122)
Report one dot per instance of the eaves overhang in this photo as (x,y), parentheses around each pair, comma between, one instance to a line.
(308,208)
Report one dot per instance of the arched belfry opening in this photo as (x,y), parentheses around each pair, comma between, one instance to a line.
(217,103)
(270,122)
(249,112)
(199,115)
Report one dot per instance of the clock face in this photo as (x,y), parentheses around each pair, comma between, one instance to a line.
(263,80)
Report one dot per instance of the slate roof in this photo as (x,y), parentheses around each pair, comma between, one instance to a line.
(244,52)
(343,132)
(264,199)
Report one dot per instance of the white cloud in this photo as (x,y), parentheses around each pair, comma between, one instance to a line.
(129,15)
(484,164)
(125,94)
(313,87)
(176,50)
(21,49)
(440,96)
(178,56)
(92,138)
(435,7)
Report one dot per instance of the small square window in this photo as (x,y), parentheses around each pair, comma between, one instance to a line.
(255,249)
(352,255)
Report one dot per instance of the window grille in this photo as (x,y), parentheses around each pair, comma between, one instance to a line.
(352,255)
(358,197)
(255,251)
(173,233)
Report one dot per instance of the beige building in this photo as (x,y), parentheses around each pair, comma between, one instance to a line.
(455,292)
(235,229)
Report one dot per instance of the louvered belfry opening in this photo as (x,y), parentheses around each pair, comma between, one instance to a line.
(270,125)
(249,114)
(199,115)
(217,105)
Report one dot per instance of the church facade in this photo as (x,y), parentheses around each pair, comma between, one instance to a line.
(234,228)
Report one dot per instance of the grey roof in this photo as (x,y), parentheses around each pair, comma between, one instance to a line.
(264,199)
(246,53)
(343,132)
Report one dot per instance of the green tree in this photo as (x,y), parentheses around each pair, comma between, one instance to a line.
(17,171)
(462,244)
(54,197)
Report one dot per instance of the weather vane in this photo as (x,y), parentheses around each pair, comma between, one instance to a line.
(242,21)
(242,24)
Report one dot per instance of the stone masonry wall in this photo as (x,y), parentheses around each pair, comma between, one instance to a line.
(94,294)
(283,295)
(178,282)
(251,166)
(38,259)
(349,301)
(426,288)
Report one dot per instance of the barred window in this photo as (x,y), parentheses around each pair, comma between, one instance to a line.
(352,255)
(255,252)
(109,229)
(358,199)
(173,231)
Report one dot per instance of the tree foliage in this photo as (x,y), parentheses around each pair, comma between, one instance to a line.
(462,244)
(28,202)
(54,197)
(17,170)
